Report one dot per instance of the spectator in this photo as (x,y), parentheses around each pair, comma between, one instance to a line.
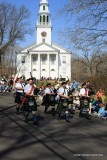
(75,85)
(100,93)
(95,106)
(104,99)
(102,112)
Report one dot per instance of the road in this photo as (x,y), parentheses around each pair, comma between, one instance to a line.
(53,139)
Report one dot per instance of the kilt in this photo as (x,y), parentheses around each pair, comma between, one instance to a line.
(18,97)
(29,104)
(62,105)
(49,100)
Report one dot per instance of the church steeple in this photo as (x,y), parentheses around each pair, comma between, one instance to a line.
(44,14)
(44,27)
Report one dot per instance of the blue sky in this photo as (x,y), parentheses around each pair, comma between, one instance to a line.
(58,22)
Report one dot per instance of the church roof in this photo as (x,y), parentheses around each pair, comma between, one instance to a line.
(63,50)
(44,47)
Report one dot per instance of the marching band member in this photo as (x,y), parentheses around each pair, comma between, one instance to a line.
(48,92)
(63,94)
(29,92)
(19,90)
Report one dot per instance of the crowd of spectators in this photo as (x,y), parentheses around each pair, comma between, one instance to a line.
(6,85)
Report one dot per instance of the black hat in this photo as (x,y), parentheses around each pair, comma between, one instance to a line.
(83,84)
(30,79)
(63,83)
(49,84)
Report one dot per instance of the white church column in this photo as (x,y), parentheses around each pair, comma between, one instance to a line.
(57,65)
(39,66)
(48,60)
(30,65)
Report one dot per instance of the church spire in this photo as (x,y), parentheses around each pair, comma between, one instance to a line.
(44,27)
(44,14)
(43,1)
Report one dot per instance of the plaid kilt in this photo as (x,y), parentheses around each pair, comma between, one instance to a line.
(29,104)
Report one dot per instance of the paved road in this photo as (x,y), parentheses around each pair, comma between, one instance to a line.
(52,140)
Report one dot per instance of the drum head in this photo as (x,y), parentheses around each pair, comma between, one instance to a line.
(31,103)
(85,102)
(64,102)
(51,98)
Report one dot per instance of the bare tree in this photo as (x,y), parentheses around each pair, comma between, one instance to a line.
(89,65)
(9,62)
(90,28)
(101,67)
(13,26)
(77,69)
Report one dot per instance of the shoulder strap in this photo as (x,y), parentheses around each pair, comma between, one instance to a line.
(51,90)
(32,88)
(65,91)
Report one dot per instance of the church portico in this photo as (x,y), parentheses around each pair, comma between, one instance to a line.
(44,65)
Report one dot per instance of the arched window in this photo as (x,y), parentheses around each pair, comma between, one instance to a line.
(52,70)
(34,70)
(40,19)
(43,18)
(47,19)
(43,69)
(23,59)
(64,59)
(43,7)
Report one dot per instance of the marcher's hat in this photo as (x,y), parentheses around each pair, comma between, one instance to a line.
(48,84)
(83,84)
(30,79)
(63,83)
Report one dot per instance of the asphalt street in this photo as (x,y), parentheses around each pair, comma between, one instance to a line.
(53,139)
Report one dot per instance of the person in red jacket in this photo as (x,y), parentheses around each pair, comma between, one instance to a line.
(100,93)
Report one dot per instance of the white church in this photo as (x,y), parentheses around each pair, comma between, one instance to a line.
(44,59)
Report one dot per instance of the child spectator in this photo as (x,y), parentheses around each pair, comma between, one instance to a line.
(76,102)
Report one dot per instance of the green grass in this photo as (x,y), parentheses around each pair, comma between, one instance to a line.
(44,83)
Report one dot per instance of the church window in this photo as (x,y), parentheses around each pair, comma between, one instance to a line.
(43,18)
(47,19)
(43,60)
(43,40)
(52,59)
(23,59)
(40,19)
(43,7)
(64,59)
(34,59)
(34,70)
(43,69)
